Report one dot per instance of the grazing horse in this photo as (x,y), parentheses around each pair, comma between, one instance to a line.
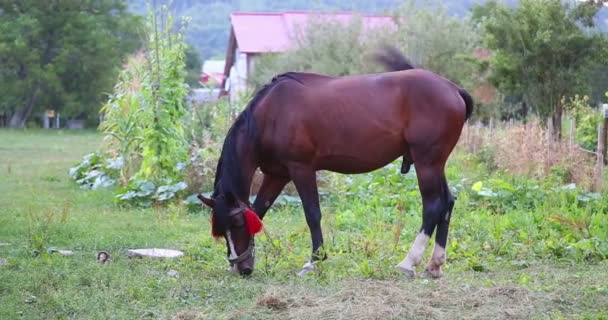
(301,123)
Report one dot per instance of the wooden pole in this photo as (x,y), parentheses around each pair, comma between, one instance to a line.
(599,167)
(549,144)
(604,131)
(571,132)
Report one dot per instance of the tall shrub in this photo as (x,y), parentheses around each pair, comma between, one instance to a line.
(123,116)
(144,122)
(164,92)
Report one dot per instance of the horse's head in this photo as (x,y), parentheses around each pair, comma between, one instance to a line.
(238,224)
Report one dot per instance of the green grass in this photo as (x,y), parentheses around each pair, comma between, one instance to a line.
(517,264)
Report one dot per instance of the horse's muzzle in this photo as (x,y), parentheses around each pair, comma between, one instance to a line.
(245,261)
(245,271)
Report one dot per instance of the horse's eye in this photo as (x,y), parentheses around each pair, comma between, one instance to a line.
(238,220)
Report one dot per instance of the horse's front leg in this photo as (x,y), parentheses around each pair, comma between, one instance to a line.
(271,187)
(305,180)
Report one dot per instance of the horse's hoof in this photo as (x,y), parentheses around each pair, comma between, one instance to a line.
(410,273)
(432,273)
(308,267)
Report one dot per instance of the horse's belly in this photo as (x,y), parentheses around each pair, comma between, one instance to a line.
(357,163)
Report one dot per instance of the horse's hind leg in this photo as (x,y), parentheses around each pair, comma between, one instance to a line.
(433,268)
(431,181)
(305,180)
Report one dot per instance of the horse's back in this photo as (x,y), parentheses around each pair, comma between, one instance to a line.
(354,124)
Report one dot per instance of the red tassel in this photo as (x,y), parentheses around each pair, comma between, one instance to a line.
(254,224)
(213,231)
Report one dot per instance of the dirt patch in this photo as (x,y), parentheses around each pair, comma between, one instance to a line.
(417,299)
(188,315)
(273,303)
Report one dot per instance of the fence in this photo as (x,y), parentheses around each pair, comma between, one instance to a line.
(531,150)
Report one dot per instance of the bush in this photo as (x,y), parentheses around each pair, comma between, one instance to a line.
(587,120)
(326,47)
(144,124)
(123,116)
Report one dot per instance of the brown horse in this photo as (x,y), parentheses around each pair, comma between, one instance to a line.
(301,123)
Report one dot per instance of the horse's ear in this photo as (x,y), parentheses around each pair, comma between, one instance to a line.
(208,201)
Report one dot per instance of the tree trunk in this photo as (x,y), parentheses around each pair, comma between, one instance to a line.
(20,116)
(557,122)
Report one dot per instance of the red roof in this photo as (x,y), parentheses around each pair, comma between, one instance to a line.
(273,32)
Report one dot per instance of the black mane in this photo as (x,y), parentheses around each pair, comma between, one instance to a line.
(229,178)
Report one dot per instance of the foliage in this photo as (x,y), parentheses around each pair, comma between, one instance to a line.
(96,171)
(429,36)
(525,150)
(61,55)
(144,121)
(164,91)
(123,117)
(436,41)
(326,47)
(586,118)
(209,32)
(555,246)
(193,66)
(542,50)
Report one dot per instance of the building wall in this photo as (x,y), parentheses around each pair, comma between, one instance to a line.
(238,75)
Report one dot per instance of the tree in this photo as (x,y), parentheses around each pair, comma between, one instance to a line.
(543,50)
(327,47)
(429,36)
(436,41)
(193,66)
(61,54)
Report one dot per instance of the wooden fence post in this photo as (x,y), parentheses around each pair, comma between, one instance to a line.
(604,130)
(572,132)
(549,144)
(601,146)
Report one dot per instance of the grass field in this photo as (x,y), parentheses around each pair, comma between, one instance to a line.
(488,276)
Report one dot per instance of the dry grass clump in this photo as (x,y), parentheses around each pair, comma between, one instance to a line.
(379,299)
(189,315)
(528,150)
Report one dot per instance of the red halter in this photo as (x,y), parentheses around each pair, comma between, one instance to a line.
(252,223)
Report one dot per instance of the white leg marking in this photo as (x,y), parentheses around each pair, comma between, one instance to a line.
(233,254)
(415,254)
(433,269)
(308,267)
(439,255)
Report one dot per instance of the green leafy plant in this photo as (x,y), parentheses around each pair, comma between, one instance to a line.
(164,91)
(123,116)
(145,144)
(587,120)
(96,171)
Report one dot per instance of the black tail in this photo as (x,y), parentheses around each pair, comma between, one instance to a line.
(392,59)
(468,100)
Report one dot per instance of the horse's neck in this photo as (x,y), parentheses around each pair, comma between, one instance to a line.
(248,165)
(248,171)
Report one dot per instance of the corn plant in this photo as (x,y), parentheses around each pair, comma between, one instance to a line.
(123,116)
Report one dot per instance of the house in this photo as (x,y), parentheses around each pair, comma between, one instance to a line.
(254,34)
(211,79)
(212,73)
